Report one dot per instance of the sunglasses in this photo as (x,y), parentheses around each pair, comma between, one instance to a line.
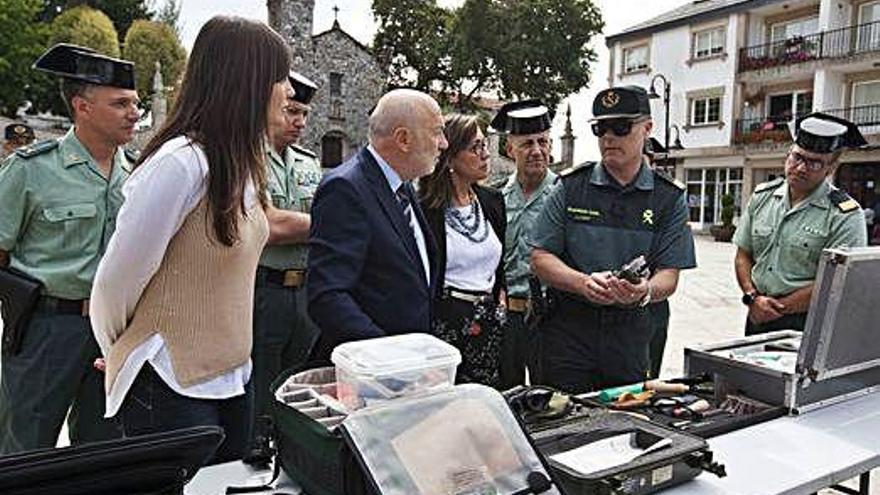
(619,127)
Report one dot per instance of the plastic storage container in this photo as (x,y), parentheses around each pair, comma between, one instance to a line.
(376,370)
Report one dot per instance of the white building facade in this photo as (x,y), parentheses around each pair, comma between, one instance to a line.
(739,71)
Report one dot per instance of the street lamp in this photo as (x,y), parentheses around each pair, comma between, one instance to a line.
(653,94)
(676,145)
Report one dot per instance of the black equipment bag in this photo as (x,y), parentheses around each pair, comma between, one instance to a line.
(154,464)
(19,293)
(683,459)
(314,456)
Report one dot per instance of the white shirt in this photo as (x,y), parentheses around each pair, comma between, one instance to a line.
(394,181)
(470,265)
(158,197)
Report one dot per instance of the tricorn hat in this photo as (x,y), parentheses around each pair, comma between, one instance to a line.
(822,133)
(522,117)
(303,86)
(84,64)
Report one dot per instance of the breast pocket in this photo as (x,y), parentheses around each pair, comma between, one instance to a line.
(803,251)
(761,237)
(75,224)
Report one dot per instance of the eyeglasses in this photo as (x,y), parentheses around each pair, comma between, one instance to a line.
(813,165)
(619,127)
(479,147)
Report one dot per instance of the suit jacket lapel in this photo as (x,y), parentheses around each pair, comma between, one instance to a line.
(390,205)
(430,245)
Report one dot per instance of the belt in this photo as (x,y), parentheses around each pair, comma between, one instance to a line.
(517,304)
(471,297)
(49,304)
(284,278)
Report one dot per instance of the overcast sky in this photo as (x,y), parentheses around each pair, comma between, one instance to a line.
(356,19)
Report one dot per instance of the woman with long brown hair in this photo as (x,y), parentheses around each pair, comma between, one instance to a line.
(468,223)
(173,297)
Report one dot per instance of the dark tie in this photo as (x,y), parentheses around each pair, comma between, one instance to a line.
(405,201)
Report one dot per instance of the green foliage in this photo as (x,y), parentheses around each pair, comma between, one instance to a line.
(22,40)
(122,12)
(727,210)
(516,48)
(170,14)
(148,42)
(87,27)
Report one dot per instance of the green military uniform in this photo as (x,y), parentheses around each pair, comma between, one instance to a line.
(519,346)
(283,332)
(786,241)
(594,224)
(59,212)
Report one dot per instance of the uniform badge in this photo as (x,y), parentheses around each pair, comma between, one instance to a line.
(648,217)
(610,99)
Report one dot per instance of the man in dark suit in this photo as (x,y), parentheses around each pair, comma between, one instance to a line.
(370,250)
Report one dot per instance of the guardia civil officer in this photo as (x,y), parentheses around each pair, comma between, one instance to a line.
(59,200)
(789,221)
(17,135)
(527,126)
(604,215)
(283,332)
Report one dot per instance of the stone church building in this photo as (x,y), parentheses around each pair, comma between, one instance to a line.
(349,79)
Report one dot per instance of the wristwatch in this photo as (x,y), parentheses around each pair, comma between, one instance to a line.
(749,297)
(647,298)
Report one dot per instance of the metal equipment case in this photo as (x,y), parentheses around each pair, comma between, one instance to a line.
(838,355)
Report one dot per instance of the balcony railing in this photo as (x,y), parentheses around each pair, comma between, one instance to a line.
(843,42)
(775,129)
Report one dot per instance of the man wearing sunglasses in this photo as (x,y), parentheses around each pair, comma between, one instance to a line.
(603,216)
(788,223)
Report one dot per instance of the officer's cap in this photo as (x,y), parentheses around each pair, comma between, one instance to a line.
(822,133)
(623,102)
(84,64)
(303,87)
(522,117)
(19,131)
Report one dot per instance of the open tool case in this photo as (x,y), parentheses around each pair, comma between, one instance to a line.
(836,358)
(656,456)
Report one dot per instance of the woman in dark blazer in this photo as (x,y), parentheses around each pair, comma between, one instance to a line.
(468,222)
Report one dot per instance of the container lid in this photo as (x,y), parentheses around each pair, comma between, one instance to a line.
(840,333)
(397,353)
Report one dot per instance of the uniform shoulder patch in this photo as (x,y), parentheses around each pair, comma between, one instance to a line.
(843,201)
(575,169)
(37,148)
(303,151)
(766,186)
(671,180)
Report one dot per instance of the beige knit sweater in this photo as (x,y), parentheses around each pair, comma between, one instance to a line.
(200,300)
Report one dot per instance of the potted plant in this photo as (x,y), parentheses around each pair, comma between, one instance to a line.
(724,232)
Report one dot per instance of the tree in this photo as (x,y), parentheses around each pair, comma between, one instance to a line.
(148,42)
(514,48)
(170,14)
(86,27)
(122,12)
(23,39)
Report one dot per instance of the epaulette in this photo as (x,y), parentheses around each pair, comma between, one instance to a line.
(574,169)
(304,151)
(668,178)
(37,148)
(766,186)
(843,201)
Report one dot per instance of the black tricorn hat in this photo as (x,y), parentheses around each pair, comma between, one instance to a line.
(621,102)
(84,64)
(18,131)
(522,117)
(822,133)
(303,87)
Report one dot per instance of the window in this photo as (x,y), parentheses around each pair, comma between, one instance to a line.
(790,29)
(331,151)
(335,84)
(706,110)
(635,59)
(706,186)
(866,93)
(708,43)
(784,107)
(869,27)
